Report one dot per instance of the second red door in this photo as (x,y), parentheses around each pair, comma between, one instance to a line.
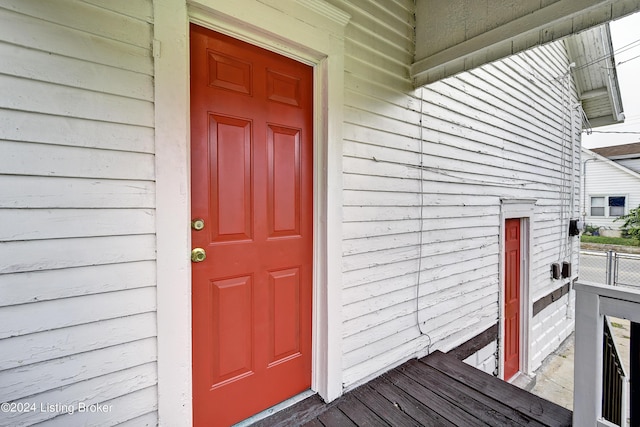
(512,299)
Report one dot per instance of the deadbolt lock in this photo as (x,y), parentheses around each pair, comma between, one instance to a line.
(198,255)
(197,224)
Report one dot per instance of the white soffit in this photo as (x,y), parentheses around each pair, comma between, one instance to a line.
(457,35)
(595,75)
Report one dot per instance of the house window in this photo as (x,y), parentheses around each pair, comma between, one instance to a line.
(597,206)
(608,206)
(616,205)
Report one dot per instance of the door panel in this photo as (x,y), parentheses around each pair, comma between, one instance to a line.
(512,298)
(231,329)
(283,181)
(230,193)
(251,184)
(284,314)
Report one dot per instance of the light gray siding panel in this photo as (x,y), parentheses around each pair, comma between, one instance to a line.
(74,311)
(74,162)
(72,102)
(77,211)
(21,288)
(62,70)
(142,401)
(33,33)
(46,129)
(58,192)
(37,255)
(457,147)
(142,10)
(120,384)
(86,18)
(17,224)
(79,367)
(66,341)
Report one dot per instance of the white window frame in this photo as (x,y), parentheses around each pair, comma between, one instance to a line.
(606,206)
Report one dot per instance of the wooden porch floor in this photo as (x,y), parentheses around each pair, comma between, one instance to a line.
(438,390)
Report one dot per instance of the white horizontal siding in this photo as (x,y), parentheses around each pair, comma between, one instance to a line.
(485,358)
(122,385)
(73,132)
(17,224)
(69,340)
(65,40)
(496,132)
(53,192)
(40,377)
(56,160)
(550,328)
(119,412)
(77,217)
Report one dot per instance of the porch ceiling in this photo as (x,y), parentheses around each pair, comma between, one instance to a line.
(457,35)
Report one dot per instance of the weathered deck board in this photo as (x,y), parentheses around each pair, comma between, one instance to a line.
(493,412)
(524,402)
(359,413)
(434,403)
(438,390)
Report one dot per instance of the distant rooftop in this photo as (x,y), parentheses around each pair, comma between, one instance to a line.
(619,151)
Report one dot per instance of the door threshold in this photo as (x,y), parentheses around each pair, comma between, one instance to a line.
(275,408)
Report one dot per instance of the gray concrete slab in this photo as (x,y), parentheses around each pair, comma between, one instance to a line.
(554,379)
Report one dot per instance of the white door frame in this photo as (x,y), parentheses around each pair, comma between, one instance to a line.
(524,210)
(310,31)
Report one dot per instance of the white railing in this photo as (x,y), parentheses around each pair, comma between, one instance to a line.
(593,302)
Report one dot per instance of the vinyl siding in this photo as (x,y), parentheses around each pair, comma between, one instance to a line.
(77,217)
(604,178)
(492,133)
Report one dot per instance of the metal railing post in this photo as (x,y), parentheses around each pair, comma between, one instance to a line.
(634,374)
(613,379)
(610,268)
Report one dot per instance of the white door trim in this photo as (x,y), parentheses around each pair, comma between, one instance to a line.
(524,210)
(311,32)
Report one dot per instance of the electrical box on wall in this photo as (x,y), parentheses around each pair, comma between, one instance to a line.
(575,226)
(566,269)
(555,270)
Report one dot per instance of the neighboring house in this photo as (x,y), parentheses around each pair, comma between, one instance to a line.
(611,185)
(408,219)
(627,155)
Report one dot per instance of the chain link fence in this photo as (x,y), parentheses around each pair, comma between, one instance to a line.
(610,267)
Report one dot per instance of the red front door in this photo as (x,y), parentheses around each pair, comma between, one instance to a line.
(251,185)
(512,299)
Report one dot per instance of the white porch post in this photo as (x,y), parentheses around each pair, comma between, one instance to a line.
(587,396)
